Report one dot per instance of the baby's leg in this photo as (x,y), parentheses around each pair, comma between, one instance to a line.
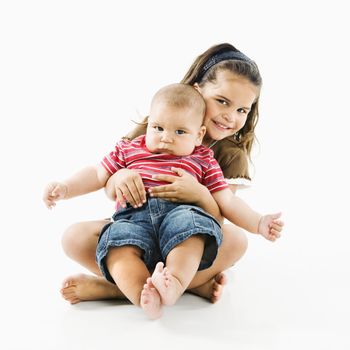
(181,265)
(150,300)
(209,283)
(130,273)
(128,270)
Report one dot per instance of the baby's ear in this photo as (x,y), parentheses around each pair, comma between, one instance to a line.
(200,136)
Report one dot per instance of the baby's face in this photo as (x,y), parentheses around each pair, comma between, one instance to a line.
(174,130)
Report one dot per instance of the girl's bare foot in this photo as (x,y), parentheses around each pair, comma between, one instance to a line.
(150,300)
(85,287)
(212,290)
(166,284)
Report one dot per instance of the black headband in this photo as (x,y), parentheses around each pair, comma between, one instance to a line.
(222,56)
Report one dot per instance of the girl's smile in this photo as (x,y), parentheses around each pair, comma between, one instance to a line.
(220,126)
(228,100)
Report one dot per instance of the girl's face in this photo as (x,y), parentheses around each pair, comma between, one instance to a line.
(228,101)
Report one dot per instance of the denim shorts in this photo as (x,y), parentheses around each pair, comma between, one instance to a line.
(157,227)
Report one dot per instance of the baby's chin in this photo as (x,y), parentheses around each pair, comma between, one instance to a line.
(173,153)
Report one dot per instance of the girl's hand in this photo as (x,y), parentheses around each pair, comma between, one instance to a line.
(270,226)
(182,188)
(126,186)
(54,192)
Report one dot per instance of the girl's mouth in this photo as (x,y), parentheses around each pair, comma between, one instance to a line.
(220,126)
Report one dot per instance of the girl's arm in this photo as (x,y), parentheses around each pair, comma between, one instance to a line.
(233,188)
(185,188)
(238,212)
(126,186)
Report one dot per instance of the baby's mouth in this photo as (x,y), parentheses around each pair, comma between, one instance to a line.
(164,150)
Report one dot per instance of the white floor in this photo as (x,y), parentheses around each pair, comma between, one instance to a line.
(289,295)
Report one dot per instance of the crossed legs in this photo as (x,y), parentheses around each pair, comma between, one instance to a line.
(79,242)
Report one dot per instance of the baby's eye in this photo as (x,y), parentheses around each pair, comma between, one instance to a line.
(158,128)
(180,132)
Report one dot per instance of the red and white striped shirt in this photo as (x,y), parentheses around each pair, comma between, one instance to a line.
(134,155)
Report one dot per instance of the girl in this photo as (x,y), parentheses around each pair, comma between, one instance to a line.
(230,84)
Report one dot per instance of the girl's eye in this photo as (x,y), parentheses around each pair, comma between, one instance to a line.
(222,102)
(158,128)
(180,132)
(241,110)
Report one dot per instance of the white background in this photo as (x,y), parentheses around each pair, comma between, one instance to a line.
(72,76)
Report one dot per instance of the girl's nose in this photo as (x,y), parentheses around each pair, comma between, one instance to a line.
(229,116)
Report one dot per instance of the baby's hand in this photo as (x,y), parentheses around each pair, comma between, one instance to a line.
(270,226)
(53,192)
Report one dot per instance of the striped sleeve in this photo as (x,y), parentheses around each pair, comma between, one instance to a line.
(213,177)
(115,160)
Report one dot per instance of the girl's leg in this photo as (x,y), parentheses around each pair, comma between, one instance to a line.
(130,273)
(209,283)
(79,242)
(181,265)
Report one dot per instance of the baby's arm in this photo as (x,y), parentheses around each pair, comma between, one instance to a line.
(87,180)
(239,213)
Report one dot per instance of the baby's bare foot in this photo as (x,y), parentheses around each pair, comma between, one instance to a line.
(150,300)
(84,287)
(166,284)
(212,290)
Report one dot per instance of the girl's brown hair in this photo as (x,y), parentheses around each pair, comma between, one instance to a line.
(248,69)
(226,150)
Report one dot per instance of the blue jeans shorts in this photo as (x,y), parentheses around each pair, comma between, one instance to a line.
(157,227)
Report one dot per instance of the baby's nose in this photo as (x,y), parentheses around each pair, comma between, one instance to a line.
(166,137)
